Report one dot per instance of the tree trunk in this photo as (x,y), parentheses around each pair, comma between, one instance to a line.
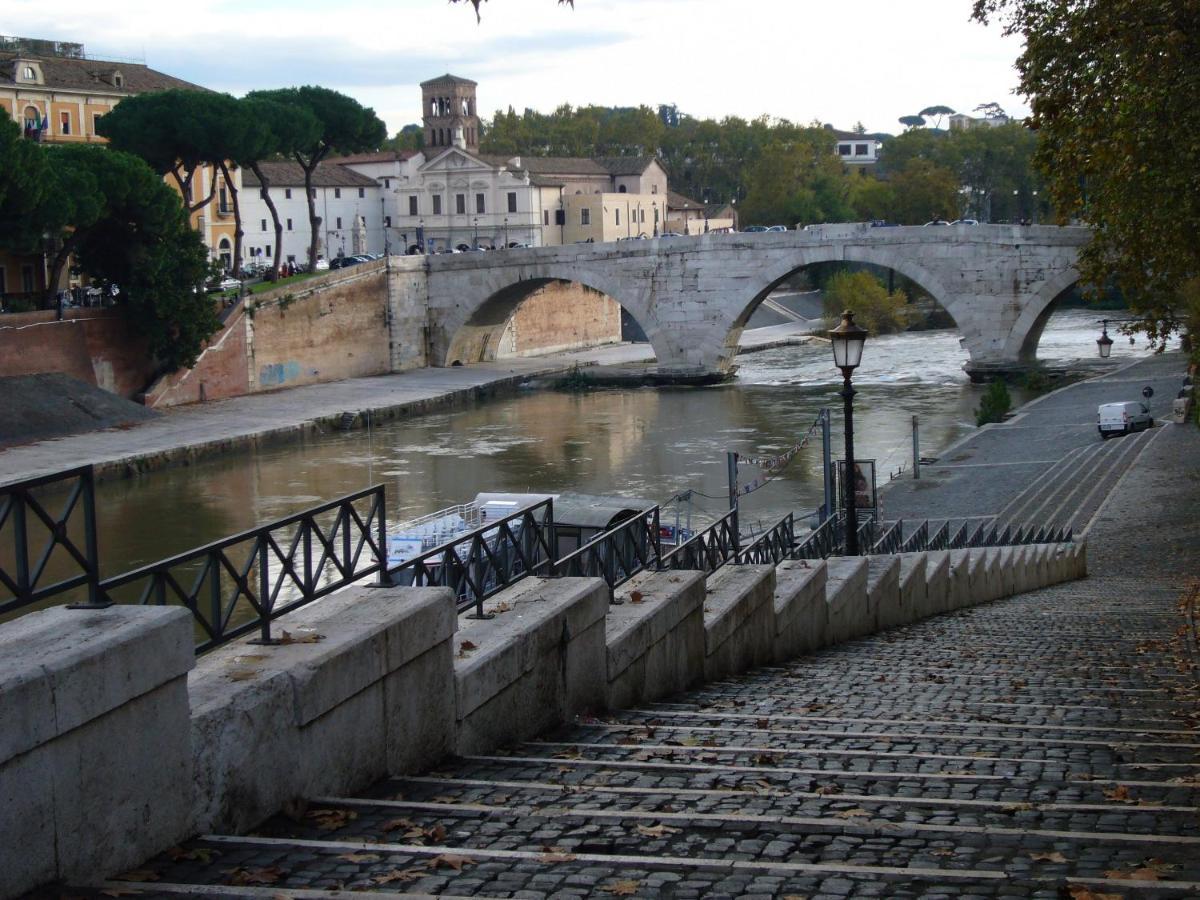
(237,221)
(264,191)
(314,221)
(60,259)
(185,188)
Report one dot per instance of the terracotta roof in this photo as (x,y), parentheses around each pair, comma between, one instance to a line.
(94,75)
(626,165)
(452,79)
(378,156)
(679,201)
(289,174)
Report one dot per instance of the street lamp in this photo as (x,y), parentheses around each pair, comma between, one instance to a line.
(477,231)
(1035,207)
(1105,342)
(848,341)
(506,232)
(387,250)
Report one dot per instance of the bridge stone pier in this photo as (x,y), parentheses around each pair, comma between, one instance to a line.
(693,295)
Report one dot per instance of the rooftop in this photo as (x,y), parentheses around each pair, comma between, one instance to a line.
(289,174)
(95,75)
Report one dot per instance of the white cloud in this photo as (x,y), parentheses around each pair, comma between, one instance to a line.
(870,61)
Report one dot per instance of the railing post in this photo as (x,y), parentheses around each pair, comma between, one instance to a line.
(21,546)
(657,538)
(381,548)
(264,592)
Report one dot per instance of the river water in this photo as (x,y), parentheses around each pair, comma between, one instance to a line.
(649,443)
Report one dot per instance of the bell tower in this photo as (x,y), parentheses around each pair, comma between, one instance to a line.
(448,106)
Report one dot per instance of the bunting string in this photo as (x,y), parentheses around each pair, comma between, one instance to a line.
(772,465)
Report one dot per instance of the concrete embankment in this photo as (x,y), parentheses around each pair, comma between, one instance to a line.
(182,436)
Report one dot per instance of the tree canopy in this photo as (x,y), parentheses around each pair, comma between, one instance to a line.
(1113,88)
(346,126)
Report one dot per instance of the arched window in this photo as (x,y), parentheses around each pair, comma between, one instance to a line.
(622,190)
(225,253)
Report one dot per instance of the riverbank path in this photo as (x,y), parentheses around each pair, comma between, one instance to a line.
(1045,745)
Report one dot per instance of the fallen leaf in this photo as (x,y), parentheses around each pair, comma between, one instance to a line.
(303,637)
(396,824)
(852,813)
(557,857)
(450,861)
(829,789)
(1141,874)
(626,888)
(199,854)
(636,597)
(1120,793)
(1054,857)
(657,830)
(1081,893)
(242,876)
(331,819)
(942,852)
(399,875)
(436,833)
(1017,807)
(360,857)
(140,875)
(762,723)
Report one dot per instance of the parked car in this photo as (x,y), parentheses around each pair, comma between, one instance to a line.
(322,265)
(936,222)
(670,234)
(755,229)
(224,284)
(1123,418)
(965,222)
(777,228)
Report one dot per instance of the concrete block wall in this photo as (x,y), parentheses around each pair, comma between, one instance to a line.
(540,660)
(95,755)
(362,688)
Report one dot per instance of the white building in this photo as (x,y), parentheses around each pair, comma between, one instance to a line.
(347,202)
(857,149)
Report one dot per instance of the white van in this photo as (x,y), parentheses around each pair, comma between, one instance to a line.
(1122,418)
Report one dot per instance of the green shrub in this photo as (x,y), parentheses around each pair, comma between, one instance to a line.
(994,405)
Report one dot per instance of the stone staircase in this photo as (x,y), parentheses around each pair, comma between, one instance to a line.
(1069,492)
(1011,750)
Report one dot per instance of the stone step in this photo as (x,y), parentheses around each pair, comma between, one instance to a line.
(480,850)
(1130,448)
(1020,509)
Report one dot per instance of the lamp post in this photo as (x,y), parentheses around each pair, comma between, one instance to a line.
(1035,208)
(1104,344)
(476,244)
(506,232)
(387,250)
(847,341)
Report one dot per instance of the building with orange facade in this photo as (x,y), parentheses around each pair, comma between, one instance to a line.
(57,94)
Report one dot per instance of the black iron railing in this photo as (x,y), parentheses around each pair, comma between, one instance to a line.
(37,520)
(891,539)
(709,549)
(243,583)
(940,539)
(616,555)
(773,546)
(918,540)
(483,562)
(823,541)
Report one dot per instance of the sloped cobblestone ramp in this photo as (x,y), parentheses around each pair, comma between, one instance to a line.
(1041,746)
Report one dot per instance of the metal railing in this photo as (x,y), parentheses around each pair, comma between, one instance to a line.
(773,546)
(918,540)
(243,583)
(481,563)
(823,541)
(891,540)
(709,549)
(35,537)
(616,555)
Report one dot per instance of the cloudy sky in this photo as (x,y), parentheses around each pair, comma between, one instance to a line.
(839,62)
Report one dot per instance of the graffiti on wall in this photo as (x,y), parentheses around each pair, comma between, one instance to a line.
(275,374)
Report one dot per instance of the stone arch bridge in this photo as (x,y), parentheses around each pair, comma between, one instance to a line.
(693,295)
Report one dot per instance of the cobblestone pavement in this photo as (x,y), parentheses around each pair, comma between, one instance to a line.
(225,424)
(1042,746)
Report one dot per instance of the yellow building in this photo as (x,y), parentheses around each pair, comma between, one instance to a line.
(57,95)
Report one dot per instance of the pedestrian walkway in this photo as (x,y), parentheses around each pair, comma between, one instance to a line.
(201,429)
(1042,746)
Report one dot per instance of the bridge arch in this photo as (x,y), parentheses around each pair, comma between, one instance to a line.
(473,333)
(1027,332)
(779,270)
